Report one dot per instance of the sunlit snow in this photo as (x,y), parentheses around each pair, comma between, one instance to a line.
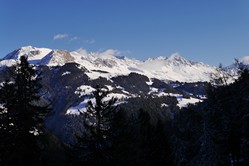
(108,64)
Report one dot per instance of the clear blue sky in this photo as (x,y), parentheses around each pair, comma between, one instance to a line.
(211,31)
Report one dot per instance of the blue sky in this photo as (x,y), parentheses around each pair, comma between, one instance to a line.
(211,31)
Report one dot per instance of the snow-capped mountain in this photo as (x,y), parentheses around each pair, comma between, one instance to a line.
(177,68)
(108,64)
(70,78)
(34,54)
(162,84)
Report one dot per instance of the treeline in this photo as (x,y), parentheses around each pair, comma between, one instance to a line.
(214,132)
(23,108)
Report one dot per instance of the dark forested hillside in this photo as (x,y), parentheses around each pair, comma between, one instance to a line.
(215,132)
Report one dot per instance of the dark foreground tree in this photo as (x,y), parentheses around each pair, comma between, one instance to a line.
(21,116)
(138,141)
(228,107)
(215,132)
(96,139)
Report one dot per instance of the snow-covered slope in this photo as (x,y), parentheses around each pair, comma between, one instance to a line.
(174,68)
(108,64)
(34,54)
(8,63)
(177,68)
(105,64)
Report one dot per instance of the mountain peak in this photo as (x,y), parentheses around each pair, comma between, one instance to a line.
(26,48)
(16,54)
(177,59)
(34,54)
(175,56)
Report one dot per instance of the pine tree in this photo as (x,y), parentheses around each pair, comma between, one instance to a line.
(222,77)
(98,125)
(21,118)
(185,133)
(208,154)
(241,86)
(228,108)
(138,141)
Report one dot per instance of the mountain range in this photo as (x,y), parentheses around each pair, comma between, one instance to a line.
(107,64)
(167,83)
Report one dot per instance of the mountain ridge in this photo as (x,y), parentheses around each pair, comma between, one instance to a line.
(172,68)
(70,78)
